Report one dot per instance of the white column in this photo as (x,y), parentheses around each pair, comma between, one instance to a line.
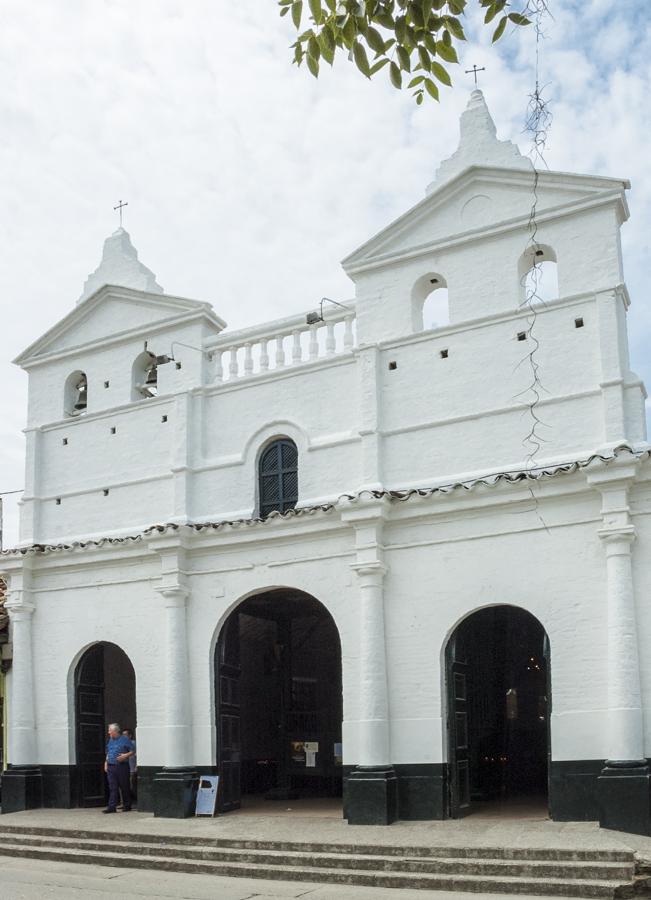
(374,743)
(625,733)
(178,745)
(22,719)
(625,723)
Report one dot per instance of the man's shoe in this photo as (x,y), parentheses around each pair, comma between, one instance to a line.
(108,810)
(126,809)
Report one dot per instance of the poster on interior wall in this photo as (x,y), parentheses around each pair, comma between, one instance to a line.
(311,750)
(339,754)
(297,749)
(207,795)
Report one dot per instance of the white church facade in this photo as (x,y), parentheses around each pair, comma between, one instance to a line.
(319,556)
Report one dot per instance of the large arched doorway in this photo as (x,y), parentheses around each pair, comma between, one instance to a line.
(105,692)
(278,694)
(498,699)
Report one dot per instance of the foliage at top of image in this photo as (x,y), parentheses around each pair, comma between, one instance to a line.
(417,38)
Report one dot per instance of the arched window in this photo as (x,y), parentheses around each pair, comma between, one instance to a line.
(75,400)
(538,271)
(278,477)
(429,302)
(144,376)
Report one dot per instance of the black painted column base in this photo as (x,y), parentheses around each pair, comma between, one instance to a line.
(22,788)
(372,796)
(174,793)
(624,792)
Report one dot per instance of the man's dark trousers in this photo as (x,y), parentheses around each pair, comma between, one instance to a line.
(118,781)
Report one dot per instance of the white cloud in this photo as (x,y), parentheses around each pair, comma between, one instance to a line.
(229,155)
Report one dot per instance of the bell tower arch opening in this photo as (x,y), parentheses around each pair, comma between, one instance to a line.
(278,696)
(498,701)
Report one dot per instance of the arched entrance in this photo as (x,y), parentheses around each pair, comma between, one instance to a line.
(105,692)
(278,694)
(498,700)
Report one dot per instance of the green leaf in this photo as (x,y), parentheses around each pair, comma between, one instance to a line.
(417,80)
(313,48)
(403,59)
(439,72)
(315,9)
(313,65)
(379,65)
(432,89)
(419,97)
(519,19)
(499,31)
(401,29)
(297,12)
(455,27)
(424,60)
(495,8)
(361,59)
(394,74)
(349,31)
(449,54)
(284,10)
(375,40)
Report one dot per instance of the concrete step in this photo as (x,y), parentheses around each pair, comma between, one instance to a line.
(593,870)
(497,883)
(448,852)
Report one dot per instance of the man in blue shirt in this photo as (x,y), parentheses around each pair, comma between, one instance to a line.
(118,751)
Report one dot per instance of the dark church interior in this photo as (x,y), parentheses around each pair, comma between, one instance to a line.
(502,653)
(279,696)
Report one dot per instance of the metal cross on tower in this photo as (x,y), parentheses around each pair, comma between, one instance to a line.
(474,71)
(120,207)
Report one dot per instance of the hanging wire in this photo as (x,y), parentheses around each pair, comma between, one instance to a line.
(537,123)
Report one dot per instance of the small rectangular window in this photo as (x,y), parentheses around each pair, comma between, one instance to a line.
(163,418)
(105,492)
(113,429)
(393,365)
(178,365)
(106,384)
(578,323)
(65,442)
(444,354)
(58,501)
(522,335)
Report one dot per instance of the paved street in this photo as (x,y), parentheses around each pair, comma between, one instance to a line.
(22,879)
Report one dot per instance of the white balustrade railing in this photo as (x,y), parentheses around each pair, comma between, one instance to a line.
(279,345)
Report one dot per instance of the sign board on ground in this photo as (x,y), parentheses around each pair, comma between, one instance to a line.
(207,795)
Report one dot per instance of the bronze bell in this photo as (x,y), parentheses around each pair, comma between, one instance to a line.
(152,376)
(82,397)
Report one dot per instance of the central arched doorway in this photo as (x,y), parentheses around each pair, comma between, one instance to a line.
(278,693)
(498,700)
(105,692)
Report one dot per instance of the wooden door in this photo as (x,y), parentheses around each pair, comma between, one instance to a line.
(90,730)
(458,731)
(227,690)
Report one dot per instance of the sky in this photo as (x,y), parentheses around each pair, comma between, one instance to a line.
(247,180)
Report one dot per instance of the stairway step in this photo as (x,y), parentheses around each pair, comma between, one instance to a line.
(448,852)
(431,865)
(466,883)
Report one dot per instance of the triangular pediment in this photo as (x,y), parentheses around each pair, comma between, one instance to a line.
(480,199)
(112,311)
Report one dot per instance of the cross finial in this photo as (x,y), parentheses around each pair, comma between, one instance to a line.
(120,207)
(474,71)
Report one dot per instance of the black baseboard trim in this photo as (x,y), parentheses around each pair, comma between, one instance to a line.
(146,775)
(59,787)
(422,791)
(573,794)
(22,788)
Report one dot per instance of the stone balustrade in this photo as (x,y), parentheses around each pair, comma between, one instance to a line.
(281,344)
